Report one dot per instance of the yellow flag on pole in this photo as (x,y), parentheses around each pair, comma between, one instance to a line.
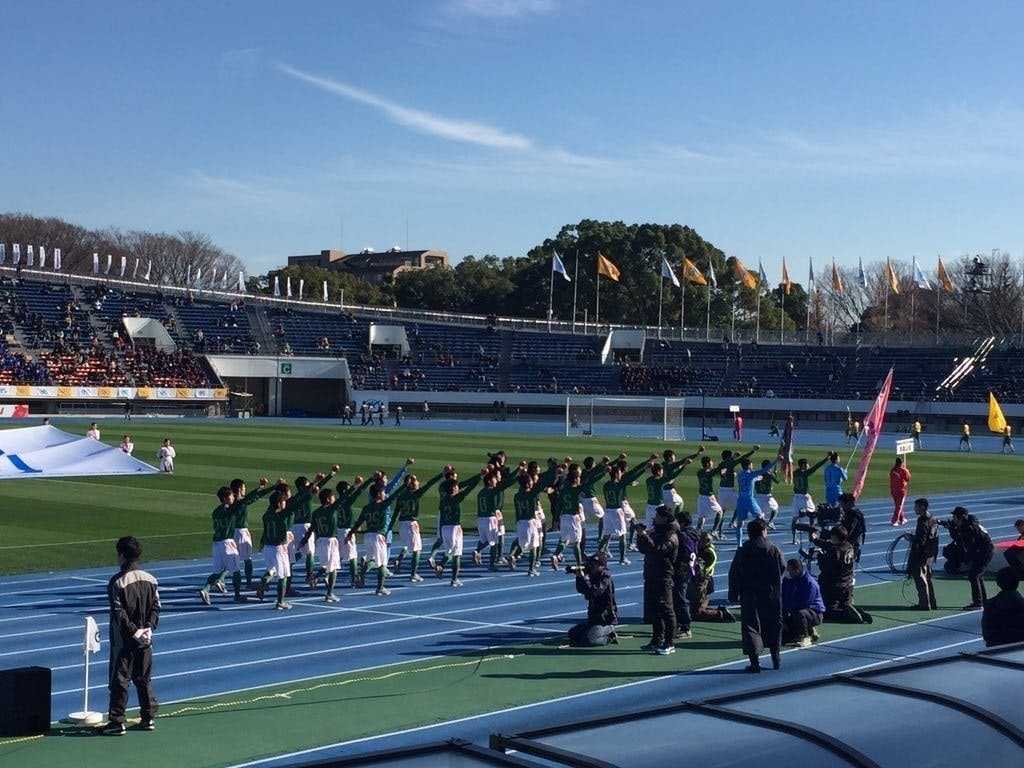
(692,274)
(742,274)
(944,279)
(606,268)
(890,275)
(996,420)
(837,280)
(785,277)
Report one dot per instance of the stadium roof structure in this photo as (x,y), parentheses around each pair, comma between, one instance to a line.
(955,710)
(45,451)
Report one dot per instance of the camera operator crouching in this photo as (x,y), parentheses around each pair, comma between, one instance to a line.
(970,550)
(594,582)
(852,519)
(836,557)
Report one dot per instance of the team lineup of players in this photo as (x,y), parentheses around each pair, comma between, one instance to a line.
(296,529)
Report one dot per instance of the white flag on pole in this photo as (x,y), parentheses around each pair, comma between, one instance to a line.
(199,276)
(124,264)
(213,279)
(277,287)
(95,263)
(919,278)
(149,270)
(288,286)
(302,285)
(92,636)
(110,260)
(56,259)
(188,275)
(712,282)
(325,291)
(241,282)
(30,255)
(135,269)
(42,257)
(558,266)
(224,280)
(16,252)
(666,271)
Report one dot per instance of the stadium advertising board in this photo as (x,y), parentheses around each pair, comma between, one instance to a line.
(113,393)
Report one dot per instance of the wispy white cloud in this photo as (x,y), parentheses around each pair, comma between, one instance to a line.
(230,189)
(454,129)
(500,9)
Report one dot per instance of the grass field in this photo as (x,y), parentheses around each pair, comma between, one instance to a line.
(58,524)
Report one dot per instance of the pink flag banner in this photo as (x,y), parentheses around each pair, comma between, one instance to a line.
(872,430)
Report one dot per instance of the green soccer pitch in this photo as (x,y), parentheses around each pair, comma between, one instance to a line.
(50,525)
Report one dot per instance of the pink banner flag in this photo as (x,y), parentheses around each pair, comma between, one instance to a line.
(872,429)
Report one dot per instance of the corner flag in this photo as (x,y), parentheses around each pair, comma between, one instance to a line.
(92,636)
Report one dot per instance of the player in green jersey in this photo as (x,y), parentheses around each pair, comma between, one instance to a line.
(224,550)
(763,491)
(300,506)
(324,525)
(673,468)
(240,508)
(277,523)
(346,496)
(374,521)
(617,510)
(569,517)
(450,510)
(489,517)
(592,472)
(802,500)
(406,514)
(707,502)
(528,523)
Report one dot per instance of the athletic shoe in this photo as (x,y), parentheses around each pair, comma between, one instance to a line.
(415,578)
(815,637)
(634,548)
(383,591)
(511,561)
(283,606)
(727,615)
(684,635)
(204,596)
(430,561)
(241,599)
(771,526)
(147,724)
(647,647)
(755,668)
(456,583)
(554,562)
(613,639)
(804,642)
(477,560)
(438,570)
(261,590)
(533,572)
(219,586)
(625,561)
(667,651)
(114,729)
(332,598)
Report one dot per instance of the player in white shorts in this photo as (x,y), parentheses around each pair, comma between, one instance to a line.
(224,550)
(617,510)
(707,503)
(374,520)
(763,492)
(276,535)
(240,508)
(570,517)
(592,472)
(801,490)
(451,526)
(490,525)
(526,503)
(166,455)
(324,525)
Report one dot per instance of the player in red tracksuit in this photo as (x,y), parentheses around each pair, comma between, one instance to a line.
(899,481)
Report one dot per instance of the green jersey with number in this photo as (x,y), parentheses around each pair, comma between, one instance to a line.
(407,502)
(223,523)
(276,526)
(241,506)
(525,503)
(450,508)
(654,488)
(706,482)
(615,493)
(764,484)
(800,476)
(325,521)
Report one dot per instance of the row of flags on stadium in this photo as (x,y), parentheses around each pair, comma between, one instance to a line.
(302,287)
(30,256)
(752,280)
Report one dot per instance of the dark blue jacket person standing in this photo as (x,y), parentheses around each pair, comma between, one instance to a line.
(755,581)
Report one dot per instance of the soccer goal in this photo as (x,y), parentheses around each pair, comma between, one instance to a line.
(660,418)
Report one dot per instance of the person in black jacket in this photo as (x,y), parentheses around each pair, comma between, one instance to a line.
(1003,618)
(978,550)
(685,571)
(852,519)
(594,582)
(836,559)
(924,548)
(659,548)
(134,613)
(755,581)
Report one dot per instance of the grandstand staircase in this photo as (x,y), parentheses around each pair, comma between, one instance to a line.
(259,327)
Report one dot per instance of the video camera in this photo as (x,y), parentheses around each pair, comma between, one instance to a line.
(821,516)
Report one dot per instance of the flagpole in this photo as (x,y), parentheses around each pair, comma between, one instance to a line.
(885,311)
(707,332)
(757,332)
(938,306)
(661,296)
(597,305)
(782,320)
(575,287)
(682,308)
(551,292)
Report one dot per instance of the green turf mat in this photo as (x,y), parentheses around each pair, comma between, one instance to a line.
(275,720)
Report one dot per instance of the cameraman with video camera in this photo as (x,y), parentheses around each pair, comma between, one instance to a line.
(594,582)
(852,519)
(974,545)
(836,558)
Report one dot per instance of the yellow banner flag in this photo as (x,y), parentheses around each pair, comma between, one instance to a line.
(691,273)
(837,280)
(890,275)
(785,277)
(606,268)
(743,275)
(996,420)
(944,279)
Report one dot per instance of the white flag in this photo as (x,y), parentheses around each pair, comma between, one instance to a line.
(42,257)
(277,287)
(199,276)
(188,275)
(110,260)
(558,266)
(224,280)
(135,269)
(56,259)
(17,253)
(666,271)
(810,275)
(288,286)
(241,282)
(30,256)
(3,252)
(325,291)
(213,279)
(302,285)
(919,278)
(149,270)
(124,264)
(712,282)
(95,263)
(92,636)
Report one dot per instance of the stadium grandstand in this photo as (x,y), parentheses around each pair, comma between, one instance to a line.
(78,331)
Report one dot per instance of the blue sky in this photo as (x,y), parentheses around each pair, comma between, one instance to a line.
(798,129)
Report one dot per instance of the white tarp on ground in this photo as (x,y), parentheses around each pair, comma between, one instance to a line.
(46,451)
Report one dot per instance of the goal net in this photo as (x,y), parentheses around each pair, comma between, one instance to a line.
(660,418)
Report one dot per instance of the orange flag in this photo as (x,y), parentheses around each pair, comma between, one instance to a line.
(890,273)
(692,274)
(606,268)
(785,277)
(944,279)
(743,275)
(837,281)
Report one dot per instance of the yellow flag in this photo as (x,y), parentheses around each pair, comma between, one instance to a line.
(691,273)
(944,279)
(743,275)
(837,281)
(606,268)
(996,420)
(785,277)
(890,274)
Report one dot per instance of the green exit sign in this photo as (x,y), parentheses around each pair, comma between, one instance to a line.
(286,369)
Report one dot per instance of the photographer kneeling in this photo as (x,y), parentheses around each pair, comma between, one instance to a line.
(594,582)
(836,558)
(802,605)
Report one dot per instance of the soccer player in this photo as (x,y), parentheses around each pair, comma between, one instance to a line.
(670,497)
(965,437)
(727,483)
(915,434)
(323,524)
(746,504)
(527,507)
(374,520)
(1007,442)
(802,500)
(899,481)
(707,502)
(592,472)
(224,550)
(489,502)
(277,523)
(450,476)
(834,475)
(407,512)
(346,496)
(127,446)
(300,507)
(763,491)
(240,510)
(451,526)
(616,502)
(570,517)
(166,455)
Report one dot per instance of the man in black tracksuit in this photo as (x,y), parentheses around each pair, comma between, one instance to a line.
(978,550)
(134,614)
(755,581)
(924,548)
(836,559)
(659,548)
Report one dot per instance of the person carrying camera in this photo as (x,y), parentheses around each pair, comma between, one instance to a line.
(755,581)
(594,582)
(802,605)
(852,519)
(924,548)
(836,558)
(977,549)
(659,547)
